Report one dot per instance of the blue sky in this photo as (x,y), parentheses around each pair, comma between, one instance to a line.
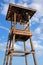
(36,26)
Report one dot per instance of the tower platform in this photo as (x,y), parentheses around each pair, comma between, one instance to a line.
(22,35)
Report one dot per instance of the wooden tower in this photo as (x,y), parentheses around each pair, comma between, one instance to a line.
(18,14)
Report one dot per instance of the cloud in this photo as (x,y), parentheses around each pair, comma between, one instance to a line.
(4,6)
(6,1)
(3,46)
(41,20)
(38,33)
(17,47)
(41,37)
(2,27)
(34,20)
(37,30)
(38,1)
(38,47)
(4,9)
(12,1)
(22,4)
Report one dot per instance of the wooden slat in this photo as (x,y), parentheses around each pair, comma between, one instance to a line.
(22,7)
(20,51)
(22,32)
(16,55)
(12,54)
(22,11)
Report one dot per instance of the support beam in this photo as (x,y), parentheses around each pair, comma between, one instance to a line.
(20,51)
(20,55)
(32,47)
(15,17)
(25,55)
(10,60)
(34,55)
(6,63)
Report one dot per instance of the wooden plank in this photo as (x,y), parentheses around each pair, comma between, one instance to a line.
(22,32)
(15,17)
(26,61)
(10,60)
(34,55)
(22,7)
(20,51)
(16,55)
(15,8)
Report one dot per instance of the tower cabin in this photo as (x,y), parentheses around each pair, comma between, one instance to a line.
(19,14)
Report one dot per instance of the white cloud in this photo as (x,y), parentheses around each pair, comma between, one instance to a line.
(25,5)
(41,37)
(36,6)
(9,1)
(22,4)
(38,1)
(4,10)
(12,1)
(17,47)
(3,46)
(25,0)
(34,20)
(5,6)
(6,0)
(38,33)
(38,47)
(2,27)
(41,20)
(37,30)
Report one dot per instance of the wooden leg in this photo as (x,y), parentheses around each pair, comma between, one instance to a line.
(6,60)
(34,55)
(25,54)
(6,57)
(10,60)
(13,42)
(13,49)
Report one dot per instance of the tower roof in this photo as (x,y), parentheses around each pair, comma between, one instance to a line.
(22,13)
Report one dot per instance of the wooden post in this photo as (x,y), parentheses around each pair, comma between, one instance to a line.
(25,54)
(13,38)
(10,60)
(34,55)
(6,63)
(14,16)
(32,47)
(6,57)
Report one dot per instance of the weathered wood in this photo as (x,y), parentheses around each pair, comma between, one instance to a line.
(15,17)
(34,55)
(10,60)
(21,13)
(22,7)
(16,55)
(20,51)
(25,53)
(22,32)
(6,63)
